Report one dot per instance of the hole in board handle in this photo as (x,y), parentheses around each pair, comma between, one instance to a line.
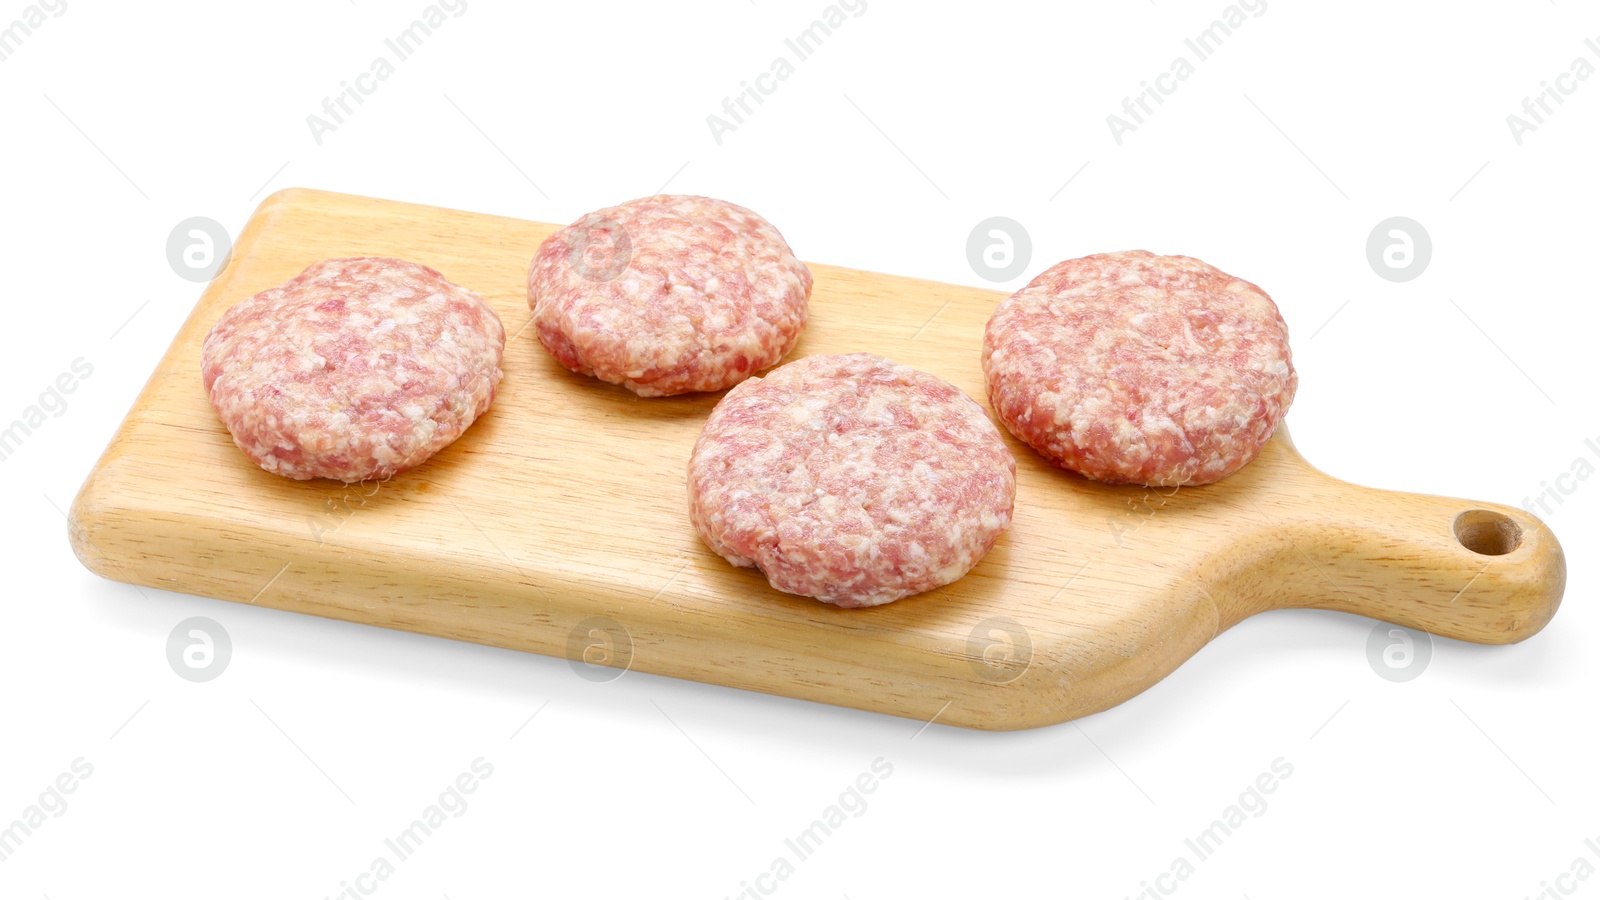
(1487,533)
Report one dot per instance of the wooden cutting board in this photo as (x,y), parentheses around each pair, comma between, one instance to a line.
(558,524)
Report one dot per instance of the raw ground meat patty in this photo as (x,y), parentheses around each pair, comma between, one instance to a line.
(851,479)
(668,295)
(1132,367)
(354,369)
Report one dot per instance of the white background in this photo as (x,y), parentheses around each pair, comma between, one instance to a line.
(909,125)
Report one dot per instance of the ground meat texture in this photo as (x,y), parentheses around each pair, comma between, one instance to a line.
(355,369)
(668,295)
(851,479)
(1137,368)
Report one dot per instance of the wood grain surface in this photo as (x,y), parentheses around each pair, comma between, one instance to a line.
(558,524)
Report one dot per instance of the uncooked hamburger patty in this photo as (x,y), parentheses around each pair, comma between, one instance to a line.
(354,369)
(1132,367)
(668,295)
(851,479)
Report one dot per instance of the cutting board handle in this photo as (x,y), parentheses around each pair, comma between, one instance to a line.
(1478,572)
